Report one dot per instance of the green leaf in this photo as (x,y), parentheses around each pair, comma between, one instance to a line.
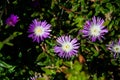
(83,76)
(109,6)
(96,53)
(41,79)
(5,65)
(47,61)
(77,66)
(1,69)
(35,14)
(75,7)
(15,34)
(59,62)
(10,44)
(79,21)
(49,71)
(95,77)
(20,55)
(15,2)
(113,61)
(40,56)
(1,45)
(67,63)
(11,69)
(71,15)
(111,25)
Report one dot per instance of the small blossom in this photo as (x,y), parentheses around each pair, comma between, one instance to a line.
(66,47)
(12,20)
(115,48)
(94,29)
(36,77)
(39,30)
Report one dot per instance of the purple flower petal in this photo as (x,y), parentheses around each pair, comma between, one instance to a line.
(66,47)
(94,29)
(12,20)
(114,47)
(43,30)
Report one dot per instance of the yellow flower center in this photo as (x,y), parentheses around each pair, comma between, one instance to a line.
(39,31)
(116,48)
(67,46)
(95,30)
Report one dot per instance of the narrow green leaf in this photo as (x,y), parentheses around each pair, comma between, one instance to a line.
(1,45)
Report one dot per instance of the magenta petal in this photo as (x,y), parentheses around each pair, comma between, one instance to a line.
(61,52)
(38,38)
(89,24)
(111,47)
(12,20)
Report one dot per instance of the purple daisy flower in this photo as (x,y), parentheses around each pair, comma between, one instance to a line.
(115,48)
(39,30)
(12,20)
(66,47)
(94,29)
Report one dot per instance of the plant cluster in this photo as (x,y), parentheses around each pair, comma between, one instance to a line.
(59,40)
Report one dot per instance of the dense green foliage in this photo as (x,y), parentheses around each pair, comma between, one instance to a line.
(20,58)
